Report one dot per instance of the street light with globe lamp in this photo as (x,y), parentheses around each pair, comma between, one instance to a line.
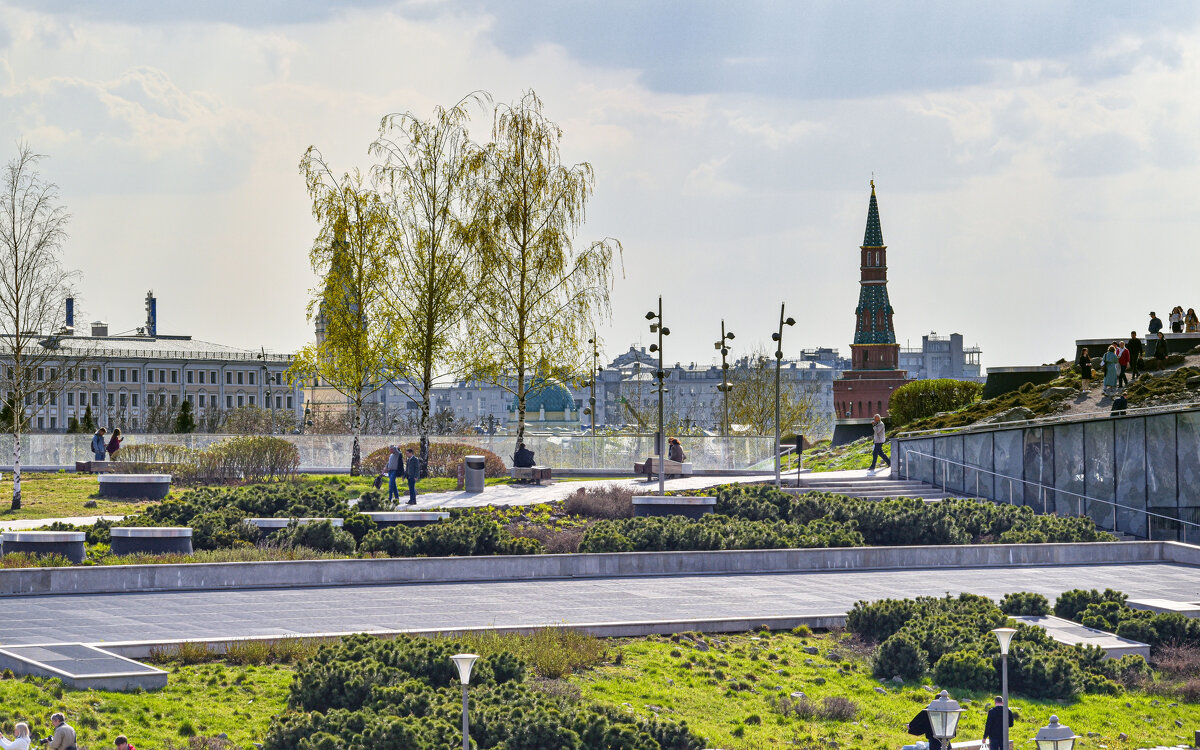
(724,388)
(778,339)
(464,662)
(661,375)
(943,715)
(1055,736)
(1004,635)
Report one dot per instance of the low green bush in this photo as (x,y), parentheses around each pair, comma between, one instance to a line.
(900,655)
(925,398)
(1025,603)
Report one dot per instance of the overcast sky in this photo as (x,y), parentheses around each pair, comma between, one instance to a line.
(1036,163)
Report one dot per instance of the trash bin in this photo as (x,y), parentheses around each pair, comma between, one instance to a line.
(473,474)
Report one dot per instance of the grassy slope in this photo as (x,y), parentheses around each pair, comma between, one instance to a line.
(206,699)
(650,676)
(62,495)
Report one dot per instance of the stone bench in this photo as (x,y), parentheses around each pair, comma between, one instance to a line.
(132,540)
(657,505)
(411,518)
(271,525)
(533,474)
(649,467)
(135,486)
(69,544)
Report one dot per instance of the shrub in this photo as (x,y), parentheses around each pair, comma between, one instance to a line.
(445,459)
(925,398)
(900,655)
(965,669)
(610,501)
(1070,603)
(251,458)
(322,536)
(1025,603)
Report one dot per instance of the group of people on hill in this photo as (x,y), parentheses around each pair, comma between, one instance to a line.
(1180,321)
(62,737)
(109,447)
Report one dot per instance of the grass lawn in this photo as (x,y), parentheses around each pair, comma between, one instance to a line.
(63,494)
(725,694)
(205,699)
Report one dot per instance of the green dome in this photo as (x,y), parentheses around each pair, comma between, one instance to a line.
(552,396)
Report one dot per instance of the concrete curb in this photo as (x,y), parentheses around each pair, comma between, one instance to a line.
(315,573)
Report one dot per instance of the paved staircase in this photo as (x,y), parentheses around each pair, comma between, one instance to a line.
(870,487)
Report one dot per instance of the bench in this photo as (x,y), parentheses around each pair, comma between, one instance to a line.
(133,540)
(533,474)
(135,486)
(649,467)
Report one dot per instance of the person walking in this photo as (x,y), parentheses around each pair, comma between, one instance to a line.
(1135,354)
(1155,324)
(393,470)
(879,438)
(114,443)
(1177,320)
(20,740)
(99,444)
(1160,346)
(1191,323)
(64,734)
(993,726)
(412,472)
(1123,363)
(1112,368)
(1085,370)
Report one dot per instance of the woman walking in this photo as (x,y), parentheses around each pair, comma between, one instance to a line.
(1085,370)
(114,443)
(1112,368)
(1191,324)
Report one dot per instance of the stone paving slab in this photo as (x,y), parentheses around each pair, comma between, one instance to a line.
(214,615)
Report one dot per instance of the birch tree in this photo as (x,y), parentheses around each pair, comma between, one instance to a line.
(752,400)
(425,178)
(539,294)
(349,256)
(33,291)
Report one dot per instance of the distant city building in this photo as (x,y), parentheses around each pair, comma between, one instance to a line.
(866,389)
(942,357)
(125,378)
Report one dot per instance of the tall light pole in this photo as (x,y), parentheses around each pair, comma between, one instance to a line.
(464,662)
(661,376)
(596,369)
(1004,635)
(724,387)
(778,339)
(262,354)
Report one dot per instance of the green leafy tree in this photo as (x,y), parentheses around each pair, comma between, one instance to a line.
(185,421)
(425,178)
(89,422)
(752,399)
(539,295)
(354,338)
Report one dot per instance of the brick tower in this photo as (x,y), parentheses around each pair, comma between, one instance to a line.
(865,390)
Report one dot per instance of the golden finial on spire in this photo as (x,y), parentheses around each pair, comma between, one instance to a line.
(872,183)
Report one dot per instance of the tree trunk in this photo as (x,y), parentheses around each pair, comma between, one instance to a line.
(356,451)
(16,499)
(423,429)
(520,405)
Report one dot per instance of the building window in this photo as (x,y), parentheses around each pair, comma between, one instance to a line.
(96,400)
(54,399)
(53,423)
(121,373)
(110,376)
(241,400)
(111,400)
(252,378)
(41,374)
(124,399)
(212,377)
(95,374)
(149,376)
(289,402)
(188,398)
(41,423)
(39,398)
(174,399)
(201,399)
(189,376)
(149,399)
(228,378)
(134,398)
(279,402)
(251,397)
(174,376)
(70,398)
(240,375)
(229,402)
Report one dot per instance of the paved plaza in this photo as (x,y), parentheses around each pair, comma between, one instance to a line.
(211,615)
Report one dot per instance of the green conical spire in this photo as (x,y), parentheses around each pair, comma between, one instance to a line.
(874,235)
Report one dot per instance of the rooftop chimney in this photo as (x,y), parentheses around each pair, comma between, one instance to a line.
(99,328)
(151,314)
(70,312)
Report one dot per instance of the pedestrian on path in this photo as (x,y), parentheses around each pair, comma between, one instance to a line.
(20,740)
(393,471)
(64,734)
(1085,370)
(1112,368)
(879,438)
(412,472)
(1160,346)
(1135,354)
(98,444)
(1191,323)
(1177,319)
(1155,325)
(1123,362)
(114,443)
(993,727)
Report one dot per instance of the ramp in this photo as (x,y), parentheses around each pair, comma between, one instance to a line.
(81,666)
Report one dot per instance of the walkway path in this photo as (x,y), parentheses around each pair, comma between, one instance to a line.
(214,615)
(37,523)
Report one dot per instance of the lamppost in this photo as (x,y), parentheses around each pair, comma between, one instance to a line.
(591,408)
(1055,736)
(943,715)
(661,375)
(724,387)
(262,354)
(464,662)
(1004,635)
(778,339)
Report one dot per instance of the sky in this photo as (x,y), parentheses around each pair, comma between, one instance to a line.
(1035,163)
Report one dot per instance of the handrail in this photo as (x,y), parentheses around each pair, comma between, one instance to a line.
(1082,416)
(1041,487)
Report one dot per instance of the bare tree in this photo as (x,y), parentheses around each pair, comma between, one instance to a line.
(33,291)
(752,400)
